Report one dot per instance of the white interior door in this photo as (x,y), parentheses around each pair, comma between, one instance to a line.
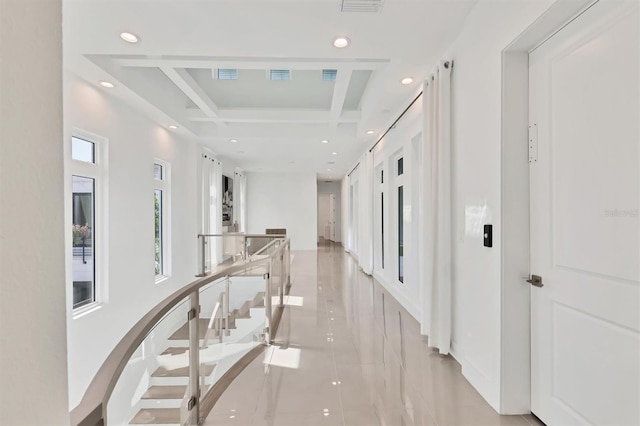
(585,232)
(323,215)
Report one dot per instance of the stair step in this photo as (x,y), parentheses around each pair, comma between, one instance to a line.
(258,301)
(181,371)
(165,392)
(150,416)
(175,351)
(183,332)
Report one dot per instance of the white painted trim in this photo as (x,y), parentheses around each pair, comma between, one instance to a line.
(164,185)
(483,384)
(402,298)
(99,171)
(395,182)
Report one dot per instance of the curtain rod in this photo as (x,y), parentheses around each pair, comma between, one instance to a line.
(354,169)
(396,122)
(446,65)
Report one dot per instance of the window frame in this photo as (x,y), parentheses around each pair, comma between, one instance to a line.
(98,171)
(163,185)
(380,216)
(398,167)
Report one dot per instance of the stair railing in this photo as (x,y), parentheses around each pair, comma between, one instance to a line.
(230,247)
(92,409)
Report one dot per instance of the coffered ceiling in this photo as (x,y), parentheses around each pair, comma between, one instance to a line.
(171,74)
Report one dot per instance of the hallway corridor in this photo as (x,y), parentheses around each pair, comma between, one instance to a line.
(346,353)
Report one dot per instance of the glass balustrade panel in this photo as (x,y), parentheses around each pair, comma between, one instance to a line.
(232,318)
(154,386)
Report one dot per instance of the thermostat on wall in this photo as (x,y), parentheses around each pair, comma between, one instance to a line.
(488,235)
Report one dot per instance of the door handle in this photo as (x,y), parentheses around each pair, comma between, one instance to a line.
(535,280)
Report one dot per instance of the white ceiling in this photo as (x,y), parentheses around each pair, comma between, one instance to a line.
(278,125)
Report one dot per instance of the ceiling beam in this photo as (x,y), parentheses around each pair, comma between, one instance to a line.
(250,63)
(272,115)
(192,89)
(343,78)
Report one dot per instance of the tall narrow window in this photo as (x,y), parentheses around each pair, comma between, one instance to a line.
(382,228)
(86,173)
(399,183)
(161,221)
(84,261)
(400,235)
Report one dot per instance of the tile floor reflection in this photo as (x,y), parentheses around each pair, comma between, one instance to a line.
(347,353)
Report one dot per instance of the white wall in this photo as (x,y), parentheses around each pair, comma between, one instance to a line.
(476,139)
(334,188)
(133,143)
(32,276)
(476,184)
(284,200)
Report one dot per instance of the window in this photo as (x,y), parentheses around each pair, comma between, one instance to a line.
(87,242)
(227,74)
(399,185)
(82,150)
(382,218)
(400,234)
(161,219)
(84,262)
(329,75)
(382,227)
(279,75)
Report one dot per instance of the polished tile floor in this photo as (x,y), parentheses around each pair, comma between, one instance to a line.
(347,353)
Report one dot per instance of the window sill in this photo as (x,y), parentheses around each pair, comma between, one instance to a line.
(161,278)
(86,310)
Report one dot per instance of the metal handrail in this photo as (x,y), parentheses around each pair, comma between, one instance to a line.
(203,241)
(92,407)
(237,234)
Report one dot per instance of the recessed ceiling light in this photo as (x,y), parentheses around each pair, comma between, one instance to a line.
(370,132)
(172,126)
(334,153)
(328,170)
(129,37)
(233,140)
(325,141)
(107,84)
(406,80)
(341,42)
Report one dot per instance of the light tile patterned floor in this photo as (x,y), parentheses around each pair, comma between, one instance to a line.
(350,355)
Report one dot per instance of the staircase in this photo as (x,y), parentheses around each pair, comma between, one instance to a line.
(160,404)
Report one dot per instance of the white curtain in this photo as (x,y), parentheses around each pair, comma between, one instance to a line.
(352,209)
(365,210)
(212,208)
(345,213)
(240,201)
(436,156)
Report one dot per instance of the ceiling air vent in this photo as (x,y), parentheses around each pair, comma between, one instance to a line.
(371,6)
